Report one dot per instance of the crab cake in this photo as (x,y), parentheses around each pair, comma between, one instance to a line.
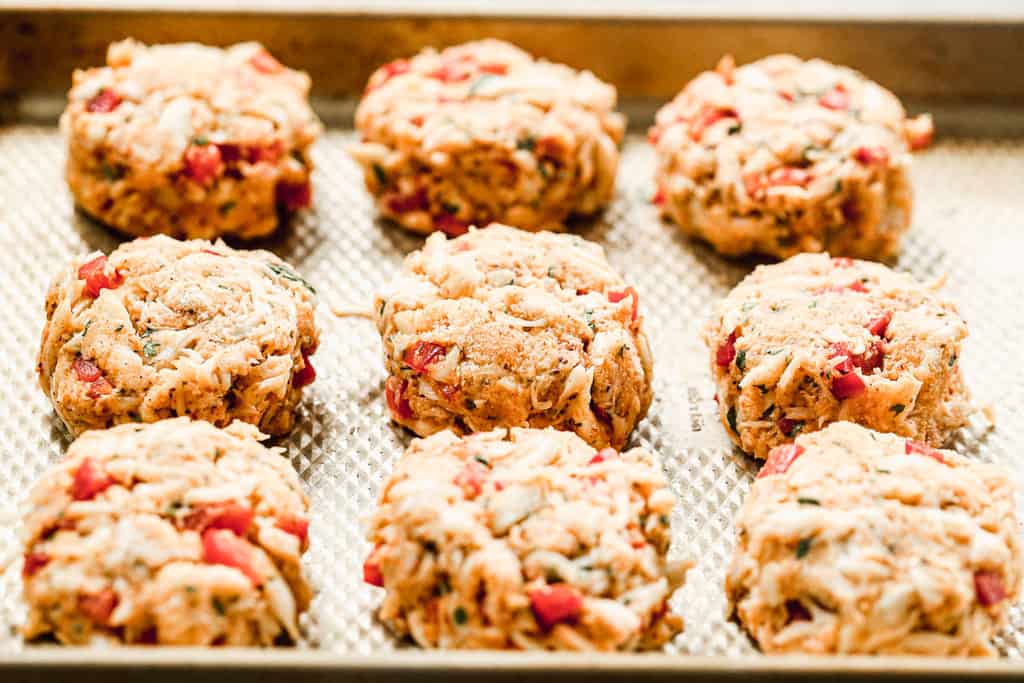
(525,539)
(189,140)
(814,340)
(505,328)
(784,156)
(484,132)
(162,328)
(856,542)
(175,533)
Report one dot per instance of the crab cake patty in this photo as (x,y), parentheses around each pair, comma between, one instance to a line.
(784,156)
(174,533)
(525,539)
(856,542)
(814,340)
(505,328)
(484,132)
(162,328)
(189,140)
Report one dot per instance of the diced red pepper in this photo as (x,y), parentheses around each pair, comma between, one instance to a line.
(211,252)
(265,63)
(786,95)
(654,134)
(294,525)
(872,155)
(847,386)
(842,262)
(422,355)
(90,480)
(86,370)
(226,515)
(837,98)
(450,73)
(96,278)
(33,563)
(919,139)
(879,325)
(603,455)
(103,102)
(203,163)
(786,425)
(789,175)
(472,478)
(371,573)
(256,154)
(754,184)
(417,201)
(293,196)
(392,69)
(494,68)
(868,362)
(795,611)
(557,604)
(450,225)
(989,587)
(780,459)
(918,448)
(221,546)
(709,118)
(97,607)
(449,391)
(306,375)
(616,297)
(726,351)
(398,404)
(659,197)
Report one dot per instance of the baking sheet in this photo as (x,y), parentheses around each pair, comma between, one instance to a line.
(967,226)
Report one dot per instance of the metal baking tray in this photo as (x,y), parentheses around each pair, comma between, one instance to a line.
(968,227)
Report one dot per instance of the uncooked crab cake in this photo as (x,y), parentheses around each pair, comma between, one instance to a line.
(484,132)
(525,539)
(857,542)
(506,328)
(189,140)
(814,340)
(163,328)
(784,156)
(174,533)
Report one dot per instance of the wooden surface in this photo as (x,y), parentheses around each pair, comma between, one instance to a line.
(644,58)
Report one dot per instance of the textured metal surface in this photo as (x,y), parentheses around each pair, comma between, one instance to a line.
(967,226)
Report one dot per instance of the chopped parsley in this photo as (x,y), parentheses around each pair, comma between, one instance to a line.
(731,417)
(218,606)
(289,274)
(112,172)
(479,83)
(588,316)
(952,361)
(150,349)
(378,172)
(460,616)
(482,460)
(226,207)
(741,360)
(527,143)
(897,408)
(803,547)
(808,501)
(201,140)
(735,128)
(470,404)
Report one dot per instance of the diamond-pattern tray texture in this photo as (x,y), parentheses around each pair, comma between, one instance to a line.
(967,226)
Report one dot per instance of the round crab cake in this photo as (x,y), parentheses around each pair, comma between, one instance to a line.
(856,542)
(784,156)
(814,340)
(189,140)
(484,132)
(175,533)
(163,328)
(505,328)
(525,539)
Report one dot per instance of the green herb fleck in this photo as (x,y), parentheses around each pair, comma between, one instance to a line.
(189,588)
(460,616)
(201,140)
(218,606)
(803,547)
(118,328)
(527,143)
(289,274)
(882,471)
(838,187)
(478,83)
(112,172)
(808,501)
(588,316)
(226,207)
(749,306)
(482,460)
(952,361)
(897,408)
(735,128)
(150,349)
(731,418)
(450,209)
(665,521)
(741,360)
(380,174)
(470,404)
